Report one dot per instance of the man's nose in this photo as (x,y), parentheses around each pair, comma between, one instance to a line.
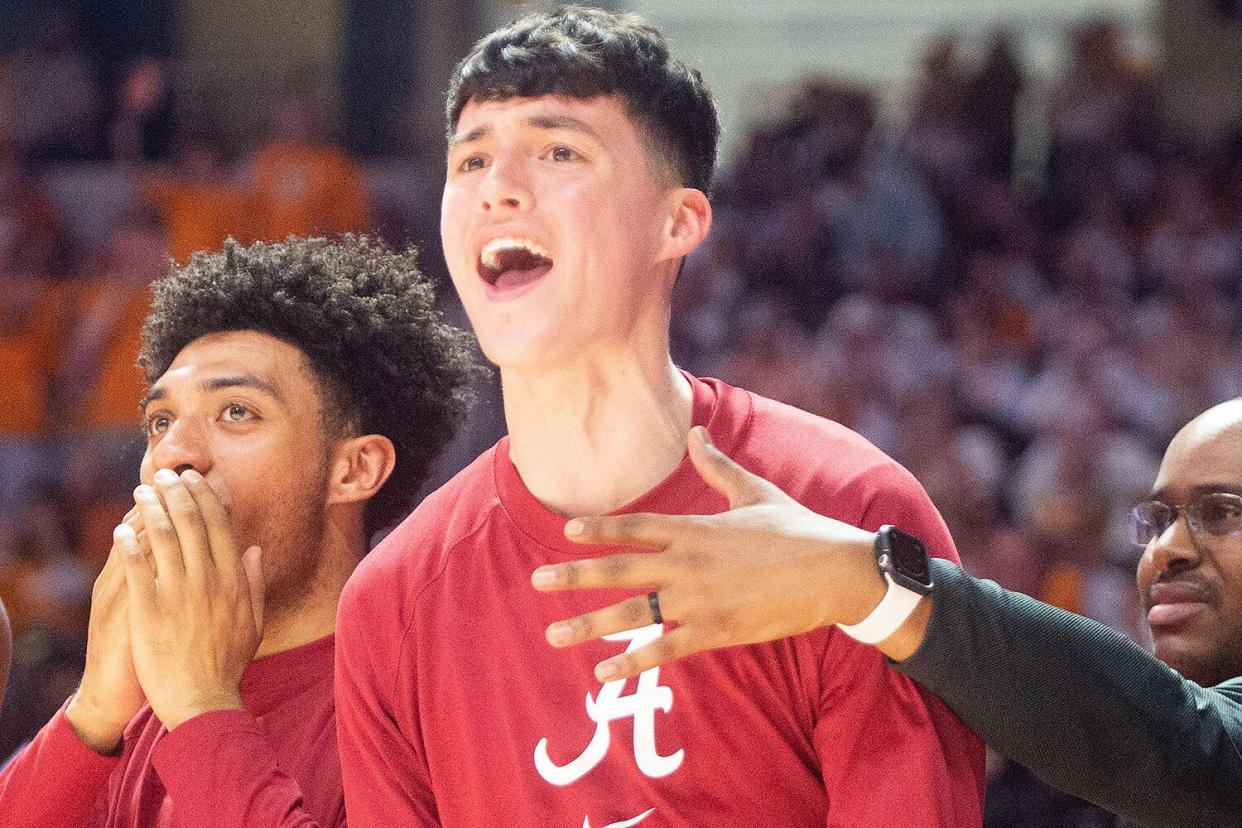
(506,185)
(182,446)
(1176,549)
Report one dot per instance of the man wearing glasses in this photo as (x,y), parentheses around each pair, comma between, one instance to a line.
(1084,708)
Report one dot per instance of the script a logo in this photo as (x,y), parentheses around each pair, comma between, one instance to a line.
(641,705)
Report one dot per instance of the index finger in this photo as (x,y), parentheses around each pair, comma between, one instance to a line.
(160,534)
(188,523)
(629,570)
(215,520)
(640,530)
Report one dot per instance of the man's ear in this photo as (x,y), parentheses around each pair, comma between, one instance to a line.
(689,221)
(360,466)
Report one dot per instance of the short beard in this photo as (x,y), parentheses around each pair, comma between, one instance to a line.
(297,548)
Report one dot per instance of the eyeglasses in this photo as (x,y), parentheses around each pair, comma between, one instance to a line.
(1217,513)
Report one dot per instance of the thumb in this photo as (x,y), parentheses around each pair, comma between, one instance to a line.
(252,560)
(725,476)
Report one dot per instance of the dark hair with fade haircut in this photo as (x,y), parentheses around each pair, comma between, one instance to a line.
(584,53)
(366,319)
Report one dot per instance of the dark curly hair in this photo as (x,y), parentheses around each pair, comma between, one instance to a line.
(584,53)
(364,316)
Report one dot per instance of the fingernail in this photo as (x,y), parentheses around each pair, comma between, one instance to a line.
(123,532)
(558,633)
(543,576)
(166,477)
(191,477)
(575,527)
(145,494)
(606,671)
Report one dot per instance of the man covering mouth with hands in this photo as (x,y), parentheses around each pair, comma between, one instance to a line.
(299,392)
(196,604)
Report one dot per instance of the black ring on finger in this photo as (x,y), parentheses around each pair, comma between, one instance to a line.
(653,601)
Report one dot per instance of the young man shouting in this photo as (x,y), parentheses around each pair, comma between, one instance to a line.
(580,154)
(299,392)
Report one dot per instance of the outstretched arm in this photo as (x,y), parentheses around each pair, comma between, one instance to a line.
(1083,707)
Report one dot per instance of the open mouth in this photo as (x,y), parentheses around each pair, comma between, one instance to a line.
(511,262)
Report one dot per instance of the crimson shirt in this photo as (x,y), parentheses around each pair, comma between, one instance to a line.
(272,764)
(453,710)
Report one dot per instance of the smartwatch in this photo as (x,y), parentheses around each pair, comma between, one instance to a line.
(903,561)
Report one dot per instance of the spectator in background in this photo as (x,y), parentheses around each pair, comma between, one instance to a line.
(50,92)
(199,201)
(872,204)
(28,221)
(990,103)
(304,185)
(936,139)
(1101,110)
(770,351)
(141,129)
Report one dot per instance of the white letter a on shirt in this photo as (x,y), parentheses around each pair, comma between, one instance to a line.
(642,704)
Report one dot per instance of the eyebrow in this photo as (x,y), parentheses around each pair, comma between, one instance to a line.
(467,137)
(1201,489)
(562,122)
(220,383)
(537,121)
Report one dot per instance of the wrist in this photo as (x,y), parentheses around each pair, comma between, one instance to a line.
(855,586)
(93,726)
(900,609)
(173,716)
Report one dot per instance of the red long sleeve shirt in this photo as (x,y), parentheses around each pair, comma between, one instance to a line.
(453,710)
(273,764)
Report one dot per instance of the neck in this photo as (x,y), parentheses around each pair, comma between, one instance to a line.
(591,437)
(311,614)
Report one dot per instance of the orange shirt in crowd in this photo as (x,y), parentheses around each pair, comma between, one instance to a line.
(200,216)
(30,348)
(306,189)
(1065,587)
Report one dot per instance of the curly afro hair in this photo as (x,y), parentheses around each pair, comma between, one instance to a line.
(365,318)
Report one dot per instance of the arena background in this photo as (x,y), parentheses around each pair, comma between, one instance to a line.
(1002,240)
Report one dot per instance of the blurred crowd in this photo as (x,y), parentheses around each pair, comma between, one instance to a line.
(1023,319)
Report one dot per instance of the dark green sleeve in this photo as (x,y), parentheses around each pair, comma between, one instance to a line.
(1081,706)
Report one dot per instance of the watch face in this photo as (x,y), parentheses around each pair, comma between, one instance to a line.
(909,558)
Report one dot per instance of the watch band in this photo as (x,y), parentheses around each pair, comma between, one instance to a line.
(892,611)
